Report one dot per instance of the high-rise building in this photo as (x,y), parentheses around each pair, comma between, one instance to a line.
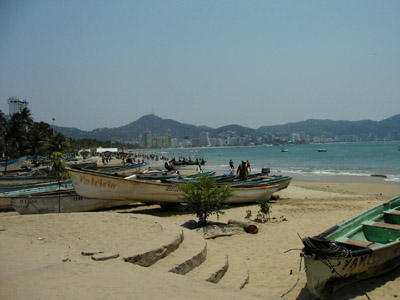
(147,140)
(15,105)
(204,139)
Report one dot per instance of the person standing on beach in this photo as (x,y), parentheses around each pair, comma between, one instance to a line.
(199,169)
(242,171)
(231,166)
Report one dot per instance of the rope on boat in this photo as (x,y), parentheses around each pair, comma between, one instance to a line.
(325,250)
(301,273)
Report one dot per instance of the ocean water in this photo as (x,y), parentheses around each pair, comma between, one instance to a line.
(302,161)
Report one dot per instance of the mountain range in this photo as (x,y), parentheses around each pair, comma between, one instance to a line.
(389,127)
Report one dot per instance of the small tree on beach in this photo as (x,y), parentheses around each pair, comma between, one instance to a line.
(58,172)
(204,198)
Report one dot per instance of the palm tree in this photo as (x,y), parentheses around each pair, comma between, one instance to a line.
(57,143)
(17,129)
(36,141)
(3,126)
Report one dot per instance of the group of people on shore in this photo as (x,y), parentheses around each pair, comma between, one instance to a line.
(242,171)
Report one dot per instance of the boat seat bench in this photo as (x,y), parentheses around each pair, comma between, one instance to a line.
(359,243)
(386,225)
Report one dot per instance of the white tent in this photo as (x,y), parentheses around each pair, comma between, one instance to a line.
(101,150)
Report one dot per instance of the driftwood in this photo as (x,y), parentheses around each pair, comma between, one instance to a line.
(219,229)
(216,229)
(90,253)
(249,228)
(102,257)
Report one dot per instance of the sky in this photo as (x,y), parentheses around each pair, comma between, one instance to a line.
(94,64)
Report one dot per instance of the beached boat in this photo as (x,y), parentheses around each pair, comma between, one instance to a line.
(17,164)
(125,170)
(365,246)
(189,162)
(282,181)
(157,175)
(63,202)
(7,193)
(102,186)
(83,163)
(21,181)
(186,178)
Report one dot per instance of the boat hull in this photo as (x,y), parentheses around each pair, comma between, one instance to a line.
(21,181)
(7,193)
(322,281)
(372,244)
(101,186)
(15,165)
(63,204)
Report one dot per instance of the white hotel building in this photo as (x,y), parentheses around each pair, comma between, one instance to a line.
(15,105)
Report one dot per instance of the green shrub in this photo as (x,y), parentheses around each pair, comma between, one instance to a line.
(263,214)
(204,198)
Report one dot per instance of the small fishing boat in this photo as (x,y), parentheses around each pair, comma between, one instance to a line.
(102,186)
(7,193)
(282,181)
(17,164)
(322,150)
(189,162)
(365,246)
(157,175)
(83,163)
(284,150)
(22,181)
(60,202)
(126,170)
(187,178)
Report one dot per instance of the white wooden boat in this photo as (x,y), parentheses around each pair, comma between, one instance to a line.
(7,193)
(87,163)
(101,186)
(66,202)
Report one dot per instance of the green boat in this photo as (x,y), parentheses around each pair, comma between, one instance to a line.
(365,246)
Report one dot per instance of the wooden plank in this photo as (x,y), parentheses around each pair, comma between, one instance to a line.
(386,225)
(395,212)
(361,244)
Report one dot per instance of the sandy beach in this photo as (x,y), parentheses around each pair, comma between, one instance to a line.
(40,256)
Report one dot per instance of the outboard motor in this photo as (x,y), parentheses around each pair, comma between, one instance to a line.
(265,170)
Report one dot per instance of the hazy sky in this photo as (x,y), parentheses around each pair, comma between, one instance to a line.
(92,64)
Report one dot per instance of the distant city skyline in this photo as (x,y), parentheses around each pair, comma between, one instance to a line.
(95,64)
